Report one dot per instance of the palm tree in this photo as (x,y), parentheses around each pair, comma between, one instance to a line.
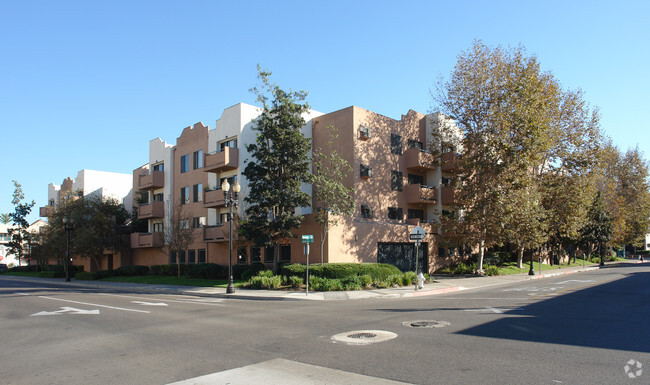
(5,218)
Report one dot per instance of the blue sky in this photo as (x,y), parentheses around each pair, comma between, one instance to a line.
(87,84)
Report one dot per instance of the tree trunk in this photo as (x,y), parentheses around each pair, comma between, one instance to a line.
(276,258)
(481,252)
(94,258)
(322,244)
(520,258)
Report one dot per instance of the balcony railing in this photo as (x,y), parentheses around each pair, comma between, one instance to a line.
(225,160)
(150,181)
(419,160)
(213,199)
(420,194)
(143,240)
(155,209)
(217,233)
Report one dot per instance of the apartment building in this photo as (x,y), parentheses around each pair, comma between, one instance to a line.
(102,184)
(11,260)
(398,184)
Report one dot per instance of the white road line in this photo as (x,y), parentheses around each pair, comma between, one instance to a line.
(94,304)
(189,300)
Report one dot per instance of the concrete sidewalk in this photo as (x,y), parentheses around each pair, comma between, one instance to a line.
(441,284)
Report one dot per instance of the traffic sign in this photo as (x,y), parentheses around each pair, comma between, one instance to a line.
(307,239)
(417,234)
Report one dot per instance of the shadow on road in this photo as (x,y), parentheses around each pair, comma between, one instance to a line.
(613,315)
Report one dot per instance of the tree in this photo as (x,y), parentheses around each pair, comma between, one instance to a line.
(179,235)
(598,229)
(18,235)
(5,218)
(333,198)
(280,164)
(97,227)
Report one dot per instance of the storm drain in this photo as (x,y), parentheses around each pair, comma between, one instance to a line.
(363,337)
(426,324)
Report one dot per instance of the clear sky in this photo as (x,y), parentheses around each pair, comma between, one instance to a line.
(87,84)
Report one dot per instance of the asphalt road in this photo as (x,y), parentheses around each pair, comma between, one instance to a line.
(578,329)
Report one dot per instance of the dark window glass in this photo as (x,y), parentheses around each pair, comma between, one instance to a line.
(159,167)
(201,255)
(197,160)
(396,180)
(256,253)
(191,256)
(285,253)
(185,163)
(172,257)
(181,257)
(185,195)
(269,254)
(197,190)
(242,256)
(416,179)
(366,211)
(366,172)
(395,144)
(415,144)
(395,213)
(419,214)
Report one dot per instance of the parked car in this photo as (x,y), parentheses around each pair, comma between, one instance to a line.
(3,267)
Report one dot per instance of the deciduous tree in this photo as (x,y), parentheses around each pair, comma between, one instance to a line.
(19,234)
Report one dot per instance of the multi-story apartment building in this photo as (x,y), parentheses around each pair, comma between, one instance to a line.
(91,183)
(398,184)
(9,259)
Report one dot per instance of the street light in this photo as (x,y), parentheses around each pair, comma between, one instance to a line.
(231,202)
(68,225)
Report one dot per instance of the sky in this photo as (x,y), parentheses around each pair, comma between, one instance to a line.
(87,84)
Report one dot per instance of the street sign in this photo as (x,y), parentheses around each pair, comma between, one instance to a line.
(417,234)
(307,239)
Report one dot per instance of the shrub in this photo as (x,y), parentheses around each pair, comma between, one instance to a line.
(265,273)
(263,282)
(207,271)
(245,272)
(324,284)
(129,271)
(295,281)
(366,280)
(104,274)
(497,258)
(85,276)
(351,283)
(341,270)
(409,278)
(51,274)
(492,270)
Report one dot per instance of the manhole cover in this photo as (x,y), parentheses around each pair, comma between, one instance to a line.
(363,337)
(426,324)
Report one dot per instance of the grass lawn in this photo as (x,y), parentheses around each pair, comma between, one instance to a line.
(23,274)
(511,267)
(169,280)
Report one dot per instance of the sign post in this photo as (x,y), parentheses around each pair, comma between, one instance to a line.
(306,240)
(417,235)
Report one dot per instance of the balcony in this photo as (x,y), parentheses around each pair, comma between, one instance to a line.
(45,211)
(155,209)
(149,181)
(225,160)
(419,160)
(213,199)
(420,194)
(143,240)
(449,162)
(447,195)
(217,233)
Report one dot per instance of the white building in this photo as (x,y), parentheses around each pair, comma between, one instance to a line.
(10,259)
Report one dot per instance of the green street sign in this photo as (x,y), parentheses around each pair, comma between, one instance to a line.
(307,239)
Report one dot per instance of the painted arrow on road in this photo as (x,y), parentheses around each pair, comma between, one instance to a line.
(574,280)
(150,303)
(488,309)
(67,310)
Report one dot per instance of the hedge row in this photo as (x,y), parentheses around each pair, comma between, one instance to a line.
(36,268)
(377,271)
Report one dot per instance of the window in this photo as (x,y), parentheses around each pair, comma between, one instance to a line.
(185,163)
(232,143)
(52,202)
(395,213)
(159,167)
(184,224)
(366,172)
(158,197)
(366,211)
(201,255)
(416,214)
(242,256)
(172,258)
(415,144)
(269,254)
(365,132)
(181,257)
(157,227)
(416,179)
(256,254)
(446,181)
(224,218)
(191,256)
(285,253)
(197,159)
(396,180)
(197,192)
(198,222)
(185,195)
(448,214)
(395,144)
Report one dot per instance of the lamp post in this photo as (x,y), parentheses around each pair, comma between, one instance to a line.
(230,198)
(531,271)
(68,225)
